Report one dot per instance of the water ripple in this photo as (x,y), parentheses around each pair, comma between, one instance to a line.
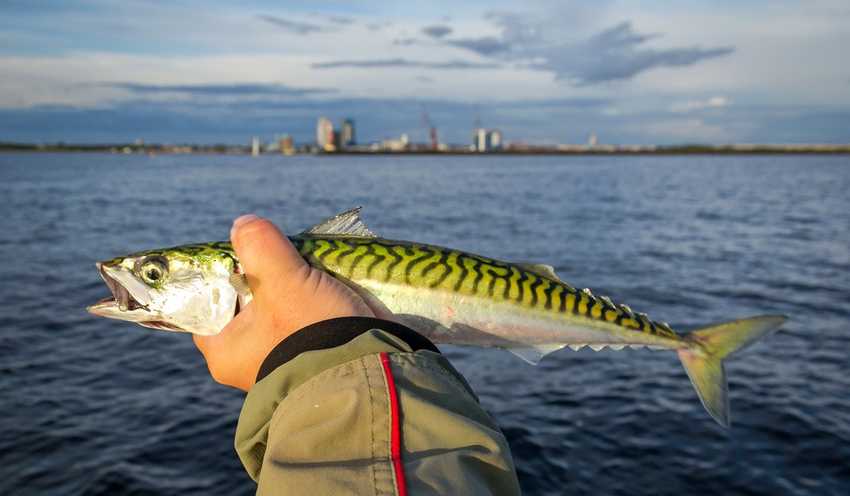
(98,407)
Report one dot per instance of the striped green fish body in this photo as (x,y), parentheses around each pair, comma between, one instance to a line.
(461,298)
(448,295)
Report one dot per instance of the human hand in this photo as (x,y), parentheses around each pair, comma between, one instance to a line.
(288,295)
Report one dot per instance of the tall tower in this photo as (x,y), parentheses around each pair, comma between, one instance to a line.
(347,137)
(494,139)
(479,139)
(432,130)
(325,134)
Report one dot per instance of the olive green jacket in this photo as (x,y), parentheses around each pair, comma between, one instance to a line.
(369,417)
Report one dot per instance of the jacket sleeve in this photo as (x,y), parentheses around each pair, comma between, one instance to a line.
(381,413)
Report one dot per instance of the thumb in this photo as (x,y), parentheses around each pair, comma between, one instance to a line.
(269,259)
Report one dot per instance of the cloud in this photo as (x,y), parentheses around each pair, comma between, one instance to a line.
(296,27)
(437,31)
(399,62)
(616,53)
(405,41)
(206,90)
(487,46)
(341,20)
(709,103)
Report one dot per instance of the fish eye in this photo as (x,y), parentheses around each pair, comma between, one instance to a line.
(153,269)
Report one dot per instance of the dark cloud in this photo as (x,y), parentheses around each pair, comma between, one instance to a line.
(296,27)
(616,53)
(245,89)
(399,62)
(486,46)
(437,31)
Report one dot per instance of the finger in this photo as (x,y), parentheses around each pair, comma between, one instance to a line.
(272,264)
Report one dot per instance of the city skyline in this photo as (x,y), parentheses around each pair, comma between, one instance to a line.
(628,72)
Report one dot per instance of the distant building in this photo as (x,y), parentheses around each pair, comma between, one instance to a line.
(486,140)
(287,145)
(592,140)
(347,137)
(255,146)
(396,145)
(494,139)
(479,139)
(432,134)
(325,135)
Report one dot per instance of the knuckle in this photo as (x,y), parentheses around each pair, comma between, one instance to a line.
(306,276)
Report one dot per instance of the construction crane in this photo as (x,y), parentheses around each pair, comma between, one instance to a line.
(432,131)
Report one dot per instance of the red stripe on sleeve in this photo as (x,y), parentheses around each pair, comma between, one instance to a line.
(395,434)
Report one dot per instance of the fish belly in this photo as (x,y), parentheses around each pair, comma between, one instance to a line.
(451,318)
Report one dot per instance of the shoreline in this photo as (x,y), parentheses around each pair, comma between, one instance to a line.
(525,151)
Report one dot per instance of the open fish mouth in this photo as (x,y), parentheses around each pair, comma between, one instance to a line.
(123,306)
(120,298)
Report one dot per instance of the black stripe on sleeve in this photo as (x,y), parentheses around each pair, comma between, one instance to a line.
(336,332)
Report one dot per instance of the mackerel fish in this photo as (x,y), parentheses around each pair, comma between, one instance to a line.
(449,296)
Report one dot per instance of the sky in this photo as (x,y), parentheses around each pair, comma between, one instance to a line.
(632,72)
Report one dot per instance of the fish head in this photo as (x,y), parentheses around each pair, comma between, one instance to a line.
(184,289)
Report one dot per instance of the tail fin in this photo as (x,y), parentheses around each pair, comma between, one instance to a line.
(703,359)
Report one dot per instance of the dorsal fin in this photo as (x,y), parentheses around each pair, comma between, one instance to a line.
(540,269)
(347,223)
